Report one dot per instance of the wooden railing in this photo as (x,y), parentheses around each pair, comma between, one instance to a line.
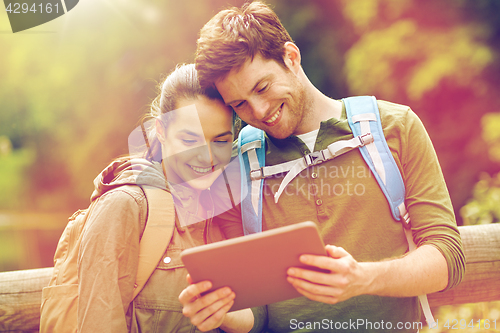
(20,291)
(20,299)
(482,271)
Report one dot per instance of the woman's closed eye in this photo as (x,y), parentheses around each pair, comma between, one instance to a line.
(189,142)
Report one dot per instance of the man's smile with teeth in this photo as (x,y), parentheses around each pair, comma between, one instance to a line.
(275,116)
(200,169)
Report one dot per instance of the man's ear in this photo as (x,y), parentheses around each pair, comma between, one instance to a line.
(292,57)
(160,131)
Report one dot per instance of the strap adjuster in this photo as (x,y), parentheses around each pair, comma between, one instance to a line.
(314,158)
(365,139)
(406,220)
(257,174)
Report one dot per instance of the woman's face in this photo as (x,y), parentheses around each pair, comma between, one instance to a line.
(196,144)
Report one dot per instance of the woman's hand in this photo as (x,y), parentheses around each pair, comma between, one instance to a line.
(209,311)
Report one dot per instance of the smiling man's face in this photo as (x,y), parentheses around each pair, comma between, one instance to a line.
(265,95)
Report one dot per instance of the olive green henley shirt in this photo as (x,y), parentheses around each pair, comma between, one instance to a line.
(344,199)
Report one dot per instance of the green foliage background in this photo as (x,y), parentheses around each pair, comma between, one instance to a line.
(73,89)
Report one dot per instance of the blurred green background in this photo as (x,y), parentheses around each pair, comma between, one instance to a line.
(73,89)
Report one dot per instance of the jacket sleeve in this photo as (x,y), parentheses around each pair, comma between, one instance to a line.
(108,262)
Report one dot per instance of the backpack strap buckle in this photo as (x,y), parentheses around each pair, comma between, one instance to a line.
(365,139)
(257,174)
(314,158)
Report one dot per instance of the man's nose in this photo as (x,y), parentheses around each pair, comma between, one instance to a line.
(259,107)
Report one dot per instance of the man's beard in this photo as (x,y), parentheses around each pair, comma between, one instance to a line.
(298,109)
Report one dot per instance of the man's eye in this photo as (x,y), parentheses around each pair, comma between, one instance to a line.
(240,104)
(262,89)
(221,142)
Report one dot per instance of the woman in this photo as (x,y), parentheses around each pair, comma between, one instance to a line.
(193,130)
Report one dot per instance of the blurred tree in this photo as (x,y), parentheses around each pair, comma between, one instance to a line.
(70,98)
(423,55)
(484,207)
(435,56)
(72,90)
(491,134)
(321,44)
(73,96)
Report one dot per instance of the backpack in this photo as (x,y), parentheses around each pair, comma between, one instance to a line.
(364,120)
(60,298)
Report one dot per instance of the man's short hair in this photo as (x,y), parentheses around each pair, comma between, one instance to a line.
(235,35)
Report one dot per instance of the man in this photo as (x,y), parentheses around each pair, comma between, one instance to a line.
(248,55)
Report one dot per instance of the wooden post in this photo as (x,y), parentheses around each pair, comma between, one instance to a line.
(20,291)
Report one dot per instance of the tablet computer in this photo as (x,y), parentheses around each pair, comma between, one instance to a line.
(255,266)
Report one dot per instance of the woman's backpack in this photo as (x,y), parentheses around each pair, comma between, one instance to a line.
(60,298)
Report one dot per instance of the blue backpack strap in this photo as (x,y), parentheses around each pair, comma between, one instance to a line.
(362,111)
(251,153)
(363,116)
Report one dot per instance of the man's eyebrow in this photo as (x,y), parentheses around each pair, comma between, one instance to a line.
(267,77)
(262,79)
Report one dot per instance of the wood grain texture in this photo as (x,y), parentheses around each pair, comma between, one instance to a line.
(20,299)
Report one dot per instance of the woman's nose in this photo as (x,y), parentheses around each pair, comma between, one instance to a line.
(205,154)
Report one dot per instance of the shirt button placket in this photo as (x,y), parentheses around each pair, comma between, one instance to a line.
(317,193)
